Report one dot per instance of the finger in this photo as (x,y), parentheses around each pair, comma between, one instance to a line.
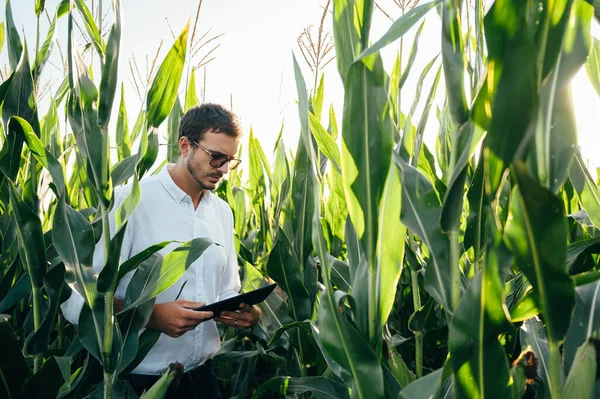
(197,316)
(190,304)
(244,307)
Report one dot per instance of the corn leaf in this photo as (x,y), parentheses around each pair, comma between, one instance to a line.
(581,381)
(586,188)
(157,274)
(12,363)
(479,361)
(91,27)
(325,142)
(191,98)
(173,132)
(592,65)
(31,238)
(159,389)
(15,47)
(73,238)
(2,30)
(109,80)
(46,382)
(163,92)
(44,51)
(130,324)
(123,140)
(426,387)
(321,387)
(10,156)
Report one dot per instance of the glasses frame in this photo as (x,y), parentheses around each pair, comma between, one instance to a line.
(219,158)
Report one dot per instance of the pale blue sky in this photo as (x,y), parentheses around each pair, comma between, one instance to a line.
(253,65)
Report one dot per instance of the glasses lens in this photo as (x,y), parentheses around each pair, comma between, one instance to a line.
(218,160)
(234,163)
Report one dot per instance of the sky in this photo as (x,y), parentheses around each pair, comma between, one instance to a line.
(253,68)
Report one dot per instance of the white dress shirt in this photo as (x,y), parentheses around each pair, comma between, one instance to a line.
(166,213)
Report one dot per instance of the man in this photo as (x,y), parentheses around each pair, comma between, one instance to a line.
(178,204)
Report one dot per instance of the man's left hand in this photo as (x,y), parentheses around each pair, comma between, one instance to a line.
(247,316)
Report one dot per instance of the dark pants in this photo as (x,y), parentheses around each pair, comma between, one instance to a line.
(200,383)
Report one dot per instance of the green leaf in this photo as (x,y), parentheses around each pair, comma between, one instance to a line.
(454,60)
(73,238)
(123,139)
(399,27)
(43,156)
(159,389)
(130,325)
(592,65)
(54,283)
(31,238)
(147,340)
(427,387)
(18,291)
(123,170)
(157,274)
(585,323)
(10,156)
(536,234)
(586,188)
(109,80)
(421,210)
(399,368)
(39,7)
(91,27)
(136,260)
(509,94)
(44,52)
(148,152)
(163,92)
(320,387)
(325,142)
(284,267)
(411,58)
(13,367)
(1,35)
(191,98)
(533,337)
(581,381)
(173,132)
(46,382)
(15,48)
(345,34)
(317,99)
(107,279)
(479,360)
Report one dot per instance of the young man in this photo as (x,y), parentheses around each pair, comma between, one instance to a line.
(178,204)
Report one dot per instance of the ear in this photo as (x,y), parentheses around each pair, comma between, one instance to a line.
(185,146)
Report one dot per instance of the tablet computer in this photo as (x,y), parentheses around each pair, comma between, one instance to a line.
(232,304)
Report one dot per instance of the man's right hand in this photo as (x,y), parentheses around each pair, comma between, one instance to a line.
(177,318)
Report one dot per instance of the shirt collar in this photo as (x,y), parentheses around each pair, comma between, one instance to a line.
(174,190)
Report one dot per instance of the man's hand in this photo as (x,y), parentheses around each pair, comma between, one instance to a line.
(177,318)
(247,316)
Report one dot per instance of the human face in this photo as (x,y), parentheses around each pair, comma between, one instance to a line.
(198,161)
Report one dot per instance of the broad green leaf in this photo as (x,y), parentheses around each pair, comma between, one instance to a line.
(92,29)
(588,192)
(284,267)
(73,238)
(454,60)
(163,92)
(124,170)
(148,152)
(536,234)
(320,387)
(421,210)
(20,97)
(54,284)
(123,140)
(317,99)
(399,27)
(427,387)
(585,323)
(45,383)
(325,142)
(18,291)
(31,239)
(39,7)
(191,98)
(13,367)
(43,53)
(157,274)
(556,131)
(146,341)
(10,156)
(109,80)
(399,368)
(107,279)
(131,324)
(43,156)
(592,65)
(345,34)
(479,360)
(159,389)
(533,337)
(91,329)
(411,58)
(129,204)
(136,260)
(15,48)
(173,132)
(509,94)
(581,381)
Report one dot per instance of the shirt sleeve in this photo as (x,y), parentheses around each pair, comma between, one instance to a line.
(230,283)
(71,308)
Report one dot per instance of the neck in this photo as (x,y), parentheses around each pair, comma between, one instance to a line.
(182,178)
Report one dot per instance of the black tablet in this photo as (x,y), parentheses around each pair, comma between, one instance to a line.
(232,304)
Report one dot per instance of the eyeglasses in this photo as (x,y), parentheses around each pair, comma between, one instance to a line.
(217,160)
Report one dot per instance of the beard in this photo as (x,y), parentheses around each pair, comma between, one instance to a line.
(203,182)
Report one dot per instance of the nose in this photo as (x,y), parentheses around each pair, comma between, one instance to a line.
(224,168)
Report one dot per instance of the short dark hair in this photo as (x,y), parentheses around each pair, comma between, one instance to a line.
(204,117)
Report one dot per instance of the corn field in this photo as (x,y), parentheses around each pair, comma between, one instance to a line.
(467,270)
